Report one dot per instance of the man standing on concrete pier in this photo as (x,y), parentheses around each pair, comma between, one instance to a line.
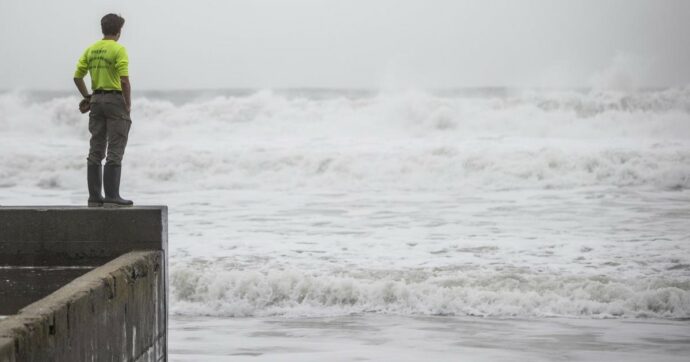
(107,63)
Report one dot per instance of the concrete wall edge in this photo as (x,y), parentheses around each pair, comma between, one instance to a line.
(36,323)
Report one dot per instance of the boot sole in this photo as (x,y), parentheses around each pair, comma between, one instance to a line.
(95,204)
(115,206)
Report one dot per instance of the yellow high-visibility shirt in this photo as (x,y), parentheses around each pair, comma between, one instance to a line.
(106,61)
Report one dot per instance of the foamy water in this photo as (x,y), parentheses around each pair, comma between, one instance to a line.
(493,203)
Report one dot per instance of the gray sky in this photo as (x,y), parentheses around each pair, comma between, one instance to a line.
(356,43)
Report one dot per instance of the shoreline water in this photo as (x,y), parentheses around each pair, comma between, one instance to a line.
(377,338)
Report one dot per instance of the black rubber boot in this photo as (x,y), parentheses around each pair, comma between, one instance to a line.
(111,183)
(94,178)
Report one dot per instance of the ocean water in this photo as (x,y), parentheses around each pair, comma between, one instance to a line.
(354,225)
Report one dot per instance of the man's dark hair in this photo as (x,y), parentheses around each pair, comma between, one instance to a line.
(111,24)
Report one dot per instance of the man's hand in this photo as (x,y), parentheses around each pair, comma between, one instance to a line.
(85,105)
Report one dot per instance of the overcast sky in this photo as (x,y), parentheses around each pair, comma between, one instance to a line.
(356,43)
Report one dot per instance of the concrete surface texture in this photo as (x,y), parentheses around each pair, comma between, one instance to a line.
(69,236)
(21,286)
(112,313)
(116,308)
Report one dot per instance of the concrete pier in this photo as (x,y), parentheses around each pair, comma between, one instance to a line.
(83,284)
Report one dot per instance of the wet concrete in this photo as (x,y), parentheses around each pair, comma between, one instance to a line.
(21,286)
(70,236)
(80,283)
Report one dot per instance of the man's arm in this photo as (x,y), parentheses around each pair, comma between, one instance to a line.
(81,86)
(80,73)
(126,92)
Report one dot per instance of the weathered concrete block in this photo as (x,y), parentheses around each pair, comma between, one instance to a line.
(112,313)
(69,236)
(21,286)
(117,311)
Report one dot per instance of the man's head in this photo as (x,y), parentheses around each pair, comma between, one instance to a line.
(111,25)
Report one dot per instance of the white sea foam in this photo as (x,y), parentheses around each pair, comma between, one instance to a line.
(478,293)
(527,139)
(530,203)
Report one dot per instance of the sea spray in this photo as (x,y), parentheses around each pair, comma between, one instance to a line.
(239,293)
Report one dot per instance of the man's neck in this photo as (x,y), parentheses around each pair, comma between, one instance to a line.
(110,37)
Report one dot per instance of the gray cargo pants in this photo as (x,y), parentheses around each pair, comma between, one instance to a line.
(109,125)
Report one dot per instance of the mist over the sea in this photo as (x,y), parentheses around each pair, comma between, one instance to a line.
(490,202)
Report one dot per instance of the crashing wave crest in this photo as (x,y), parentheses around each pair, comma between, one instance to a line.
(503,140)
(491,294)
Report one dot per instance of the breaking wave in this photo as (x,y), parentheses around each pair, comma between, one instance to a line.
(240,293)
(501,139)
(388,143)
